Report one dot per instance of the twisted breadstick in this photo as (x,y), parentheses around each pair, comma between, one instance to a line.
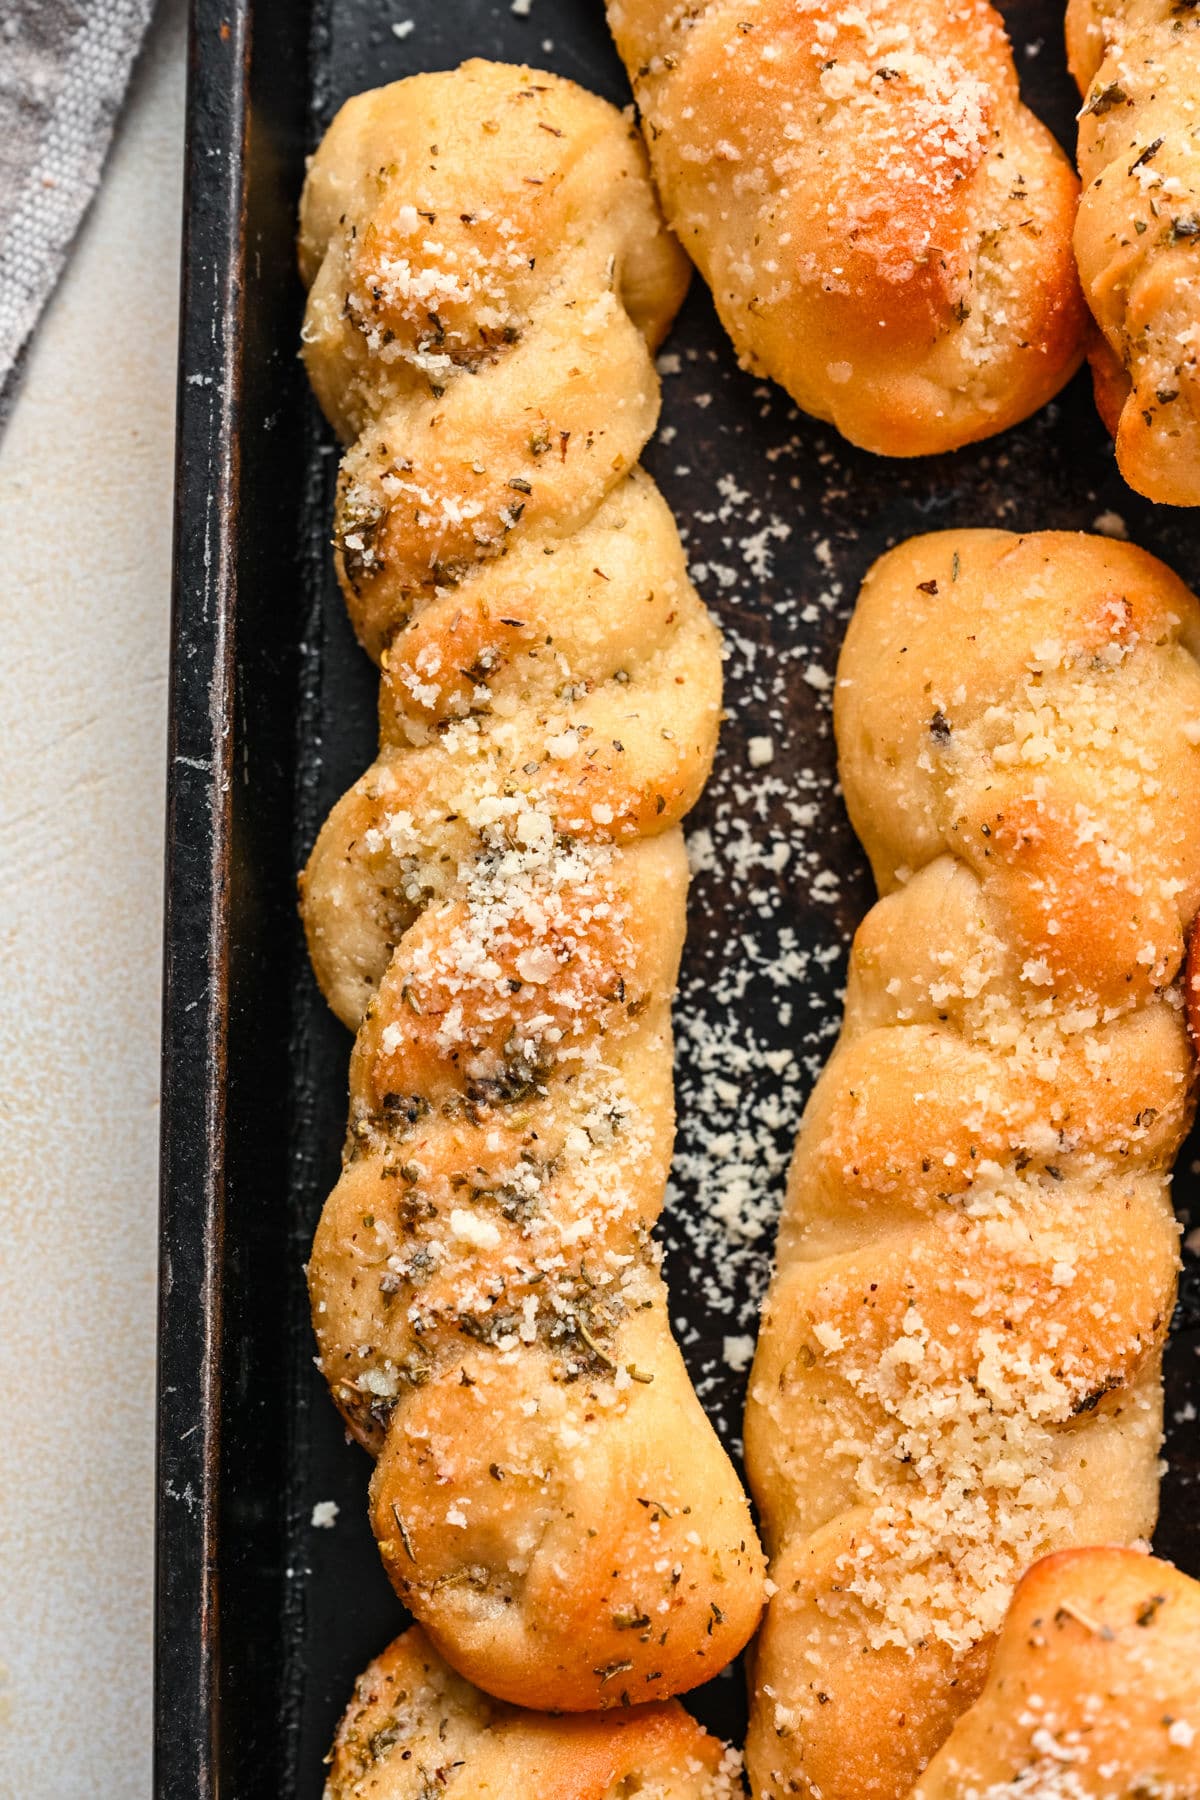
(498,904)
(958,1368)
(885,228)
(416,1731)
(1093,1692)
(1137,237)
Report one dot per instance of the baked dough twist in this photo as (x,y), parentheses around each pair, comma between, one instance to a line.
(498,904)
(417,1731)
(1093,1691)
(1137,236)
(959,1362)
(885,227)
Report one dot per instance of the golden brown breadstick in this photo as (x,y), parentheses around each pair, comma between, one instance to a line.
(498,905)
(1137,237)
(885,227)
(958,1368)
(1093,1692)
(417,1731)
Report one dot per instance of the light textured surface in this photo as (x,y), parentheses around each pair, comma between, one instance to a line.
(85,538)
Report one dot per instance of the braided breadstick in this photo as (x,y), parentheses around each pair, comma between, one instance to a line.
(417,1731)
(498,904)
(1093,1692)
(1137,237)
(958,1368)
(885,227)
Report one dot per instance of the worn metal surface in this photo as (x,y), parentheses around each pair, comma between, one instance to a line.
(264,1619)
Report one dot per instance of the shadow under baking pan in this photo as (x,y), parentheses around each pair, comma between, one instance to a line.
(270,1602)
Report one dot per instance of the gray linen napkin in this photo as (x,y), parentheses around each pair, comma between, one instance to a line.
(64,65)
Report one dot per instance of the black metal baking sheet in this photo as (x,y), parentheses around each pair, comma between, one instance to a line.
(263,1618)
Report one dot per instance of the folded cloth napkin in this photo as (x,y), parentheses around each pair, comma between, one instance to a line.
(64,65)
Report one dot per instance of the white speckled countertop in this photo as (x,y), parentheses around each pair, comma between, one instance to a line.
(85,551)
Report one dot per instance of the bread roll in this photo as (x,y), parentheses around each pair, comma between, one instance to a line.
(416,1731)
(885,227)
(1137,237)
(1094,1689)
(498,905)
(958,1366)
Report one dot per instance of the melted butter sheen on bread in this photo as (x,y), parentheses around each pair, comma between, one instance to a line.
(885,227)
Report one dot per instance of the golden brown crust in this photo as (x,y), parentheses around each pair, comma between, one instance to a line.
(497,906)
(885,228)
(958,1368)
(1093,1692)
(415,1729)
(1137,237)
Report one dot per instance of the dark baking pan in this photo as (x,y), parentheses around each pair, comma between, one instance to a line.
(264,1618)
